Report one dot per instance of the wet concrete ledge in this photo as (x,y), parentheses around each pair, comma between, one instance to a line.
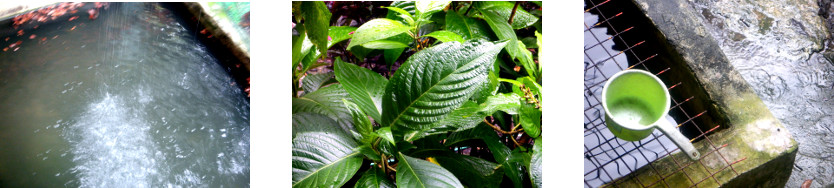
(763,149)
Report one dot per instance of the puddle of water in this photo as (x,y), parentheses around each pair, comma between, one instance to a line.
(130,98)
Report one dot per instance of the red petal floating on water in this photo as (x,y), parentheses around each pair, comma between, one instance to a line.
(73,28)
(73,18)
(32,36)
(7,38)
(6,49)
(20,33)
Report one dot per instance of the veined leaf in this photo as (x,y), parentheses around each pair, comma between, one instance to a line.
(536,164)
(304,121)
(531,119)
(468,28)
(326,101)
(435,81)
(384,44)
(490,87)
(445,36)
(521,19)
(366,87)
(515,48)
(324,158)
(376,29)
(472,171)
(312,82)
(413,172)
(316,22)
(425,8)
(470,115)
(338,34)
(360,121)
(385,134)
(374,178)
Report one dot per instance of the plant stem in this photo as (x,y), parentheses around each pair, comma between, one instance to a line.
(501,130)
(513,13)
(471,3)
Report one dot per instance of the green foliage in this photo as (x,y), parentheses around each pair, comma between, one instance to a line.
(377,29)
(445,36)
(435,81)
(323,157)
(452,91)
(413,172)
(365,86)
(317,21)
(374,178)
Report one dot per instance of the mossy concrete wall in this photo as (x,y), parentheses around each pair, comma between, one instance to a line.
(764,149)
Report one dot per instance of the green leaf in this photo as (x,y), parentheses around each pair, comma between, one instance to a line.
(515,48)
(384,44)
(374,178)
(472,171)
(501,153)
(338,34)
(425,8)
(365,86)
(407,6)
(360,121)
(531,119)
(539,54)
(312,82)
(470,115)
(536,164)
(490,87)
(324,158)
(405,15)
(468,28)
(316,22)
(385,133)
(310,122)
(435,81)
(369,152)
(391,55)
(413,172)
(445,36)
(521,19)
(376,29)
(326,101)
(300,46)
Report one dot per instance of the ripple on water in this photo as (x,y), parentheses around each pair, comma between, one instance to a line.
(110,147)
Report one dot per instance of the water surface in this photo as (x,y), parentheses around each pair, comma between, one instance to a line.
(129,99)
